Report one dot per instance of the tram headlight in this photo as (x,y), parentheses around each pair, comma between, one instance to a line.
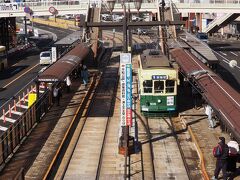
(159,101)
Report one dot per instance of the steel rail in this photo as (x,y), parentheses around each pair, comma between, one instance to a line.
(171,126)
(106,130)
(51,166)
(90,105)
(151,148)
(149,139)
(76,142)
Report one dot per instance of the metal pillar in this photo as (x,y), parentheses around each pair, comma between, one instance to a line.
(125,44)
(25,29)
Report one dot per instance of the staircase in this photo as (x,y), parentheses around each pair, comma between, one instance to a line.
(220,22)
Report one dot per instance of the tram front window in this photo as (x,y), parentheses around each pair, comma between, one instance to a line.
(170,86)
(147,86)
(158,86)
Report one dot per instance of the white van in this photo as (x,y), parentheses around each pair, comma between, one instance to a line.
(45,57)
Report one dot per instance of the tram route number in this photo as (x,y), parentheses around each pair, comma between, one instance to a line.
(8,6)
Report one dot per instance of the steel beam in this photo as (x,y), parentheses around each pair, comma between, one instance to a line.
(132,24)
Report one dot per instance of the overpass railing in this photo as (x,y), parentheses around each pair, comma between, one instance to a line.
(209,6)
(40,8)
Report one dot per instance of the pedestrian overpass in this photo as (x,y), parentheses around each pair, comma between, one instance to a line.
(208,6)
(46,8)
(43,8)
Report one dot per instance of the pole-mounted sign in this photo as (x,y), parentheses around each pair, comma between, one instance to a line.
(126,89)
(52,10)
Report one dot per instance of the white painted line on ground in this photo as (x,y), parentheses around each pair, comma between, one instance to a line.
(3,128)
(8,119)
(20,76)
(233,53)
(223,53)
(17,112)
(22,106)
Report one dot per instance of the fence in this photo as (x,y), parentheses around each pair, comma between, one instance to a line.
(15,133)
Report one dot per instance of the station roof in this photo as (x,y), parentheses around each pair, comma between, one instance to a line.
(64,66)
(199,48)
(70,39)
(220,95)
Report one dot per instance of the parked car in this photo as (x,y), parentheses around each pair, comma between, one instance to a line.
(202,36)
(45,58)
(136,19)
(68,16)
(106,17)
(140,31)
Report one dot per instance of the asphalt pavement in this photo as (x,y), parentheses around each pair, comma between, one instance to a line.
(25,64)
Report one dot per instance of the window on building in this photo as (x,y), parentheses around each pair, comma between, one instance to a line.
(147,86)
(170,86)
(158,86)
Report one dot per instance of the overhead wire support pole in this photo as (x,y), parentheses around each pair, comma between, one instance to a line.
(125,21)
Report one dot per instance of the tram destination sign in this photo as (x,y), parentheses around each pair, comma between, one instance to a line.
(126,89)
(159,77)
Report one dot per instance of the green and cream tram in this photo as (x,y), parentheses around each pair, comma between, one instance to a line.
(158,82)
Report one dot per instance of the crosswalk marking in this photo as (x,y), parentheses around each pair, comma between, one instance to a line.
(234,53)
(223,53)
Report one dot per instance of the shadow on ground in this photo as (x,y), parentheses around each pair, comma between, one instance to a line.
(10,72)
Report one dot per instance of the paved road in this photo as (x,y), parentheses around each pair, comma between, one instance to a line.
(25,68)
(227,50)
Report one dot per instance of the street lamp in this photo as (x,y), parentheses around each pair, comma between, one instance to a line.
(111,4)
(125,44)
(138,4)
(163,29)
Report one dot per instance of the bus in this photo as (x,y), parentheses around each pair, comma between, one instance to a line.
(3,58)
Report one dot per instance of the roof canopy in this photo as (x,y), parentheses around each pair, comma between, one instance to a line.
(65,65)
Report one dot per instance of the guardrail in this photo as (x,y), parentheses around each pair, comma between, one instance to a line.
(15,133)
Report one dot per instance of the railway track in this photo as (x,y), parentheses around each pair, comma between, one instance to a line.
(165,150)
(86,151)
